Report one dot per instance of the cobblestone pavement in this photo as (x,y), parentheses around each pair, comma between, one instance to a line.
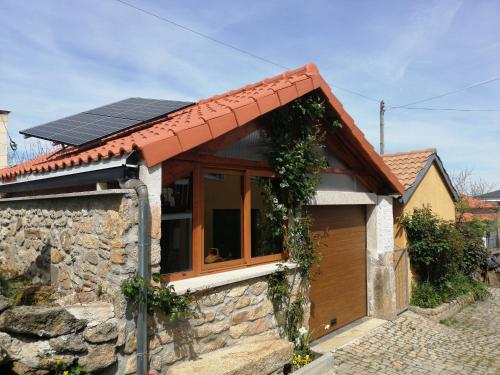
(412,344)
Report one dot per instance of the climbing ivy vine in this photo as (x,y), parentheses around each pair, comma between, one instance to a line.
(295,134)
(163,297)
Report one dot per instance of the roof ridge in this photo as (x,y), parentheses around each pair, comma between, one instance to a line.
(309,68)
(430,149)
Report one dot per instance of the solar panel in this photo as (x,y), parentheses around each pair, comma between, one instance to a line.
(100,122)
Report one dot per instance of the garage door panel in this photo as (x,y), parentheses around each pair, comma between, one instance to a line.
(338,288)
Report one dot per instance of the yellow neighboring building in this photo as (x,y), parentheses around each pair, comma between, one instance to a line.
(426,183)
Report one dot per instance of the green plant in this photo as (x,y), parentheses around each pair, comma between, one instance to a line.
(425,295)
(162,297)
(435,245)
(429,295)
(60,368)
(475,255)
(449,322)
(7,288)
(303,354)
(98,290)
(278,289)
(295,134)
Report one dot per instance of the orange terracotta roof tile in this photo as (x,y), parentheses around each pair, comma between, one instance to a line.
(207,119)
(407,165)
(477,203)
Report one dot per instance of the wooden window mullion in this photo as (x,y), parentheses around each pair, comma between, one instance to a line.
(198,218)
(247,219)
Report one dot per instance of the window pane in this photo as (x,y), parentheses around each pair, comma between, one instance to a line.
(176,226)
(262,243)
(223,205)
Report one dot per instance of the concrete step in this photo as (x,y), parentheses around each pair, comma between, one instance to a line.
(258,355)
(337,340)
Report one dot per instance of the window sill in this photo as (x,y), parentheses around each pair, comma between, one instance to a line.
(211,281)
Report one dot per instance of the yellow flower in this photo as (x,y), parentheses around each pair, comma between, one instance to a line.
(66,372)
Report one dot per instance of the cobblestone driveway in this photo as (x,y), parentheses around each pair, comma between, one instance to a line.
(415,345)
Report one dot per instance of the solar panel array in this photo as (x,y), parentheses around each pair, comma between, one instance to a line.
(100,122)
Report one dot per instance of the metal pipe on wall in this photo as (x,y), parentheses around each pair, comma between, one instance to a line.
(142,270)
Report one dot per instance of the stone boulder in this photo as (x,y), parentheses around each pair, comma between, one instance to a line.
(40,321)
(98,358)
(5,303)
(94,313)
(68,344)
(264,354)
(5,342)
(103,332)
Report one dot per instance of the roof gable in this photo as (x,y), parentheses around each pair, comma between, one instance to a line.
(411,168)
(208,119)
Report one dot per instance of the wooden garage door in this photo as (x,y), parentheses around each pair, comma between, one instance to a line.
(338,289)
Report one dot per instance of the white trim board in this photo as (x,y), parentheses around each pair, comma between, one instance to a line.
(335,197)
(224,278)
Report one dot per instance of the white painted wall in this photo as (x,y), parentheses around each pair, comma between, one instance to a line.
(380,227)
(381,283)
(152,178)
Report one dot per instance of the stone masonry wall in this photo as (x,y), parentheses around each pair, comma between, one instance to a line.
(79,243)
(224,315)
(85,244)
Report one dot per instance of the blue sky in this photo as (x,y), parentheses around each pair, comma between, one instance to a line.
(60,57)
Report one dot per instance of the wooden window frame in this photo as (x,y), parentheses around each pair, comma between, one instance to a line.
(246,169)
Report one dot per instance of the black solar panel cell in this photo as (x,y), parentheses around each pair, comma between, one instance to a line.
(100,122)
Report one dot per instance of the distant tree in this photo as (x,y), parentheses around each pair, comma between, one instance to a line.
(28,150)
(466,183)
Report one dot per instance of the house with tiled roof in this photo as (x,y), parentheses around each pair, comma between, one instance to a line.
(426,184)
(179,193)
(485,208)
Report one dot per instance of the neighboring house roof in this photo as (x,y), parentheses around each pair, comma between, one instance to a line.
(479,210)
(492,195)
(208,119)
(477,203)
(410,168)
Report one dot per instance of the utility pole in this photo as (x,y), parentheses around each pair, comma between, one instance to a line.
(382,111)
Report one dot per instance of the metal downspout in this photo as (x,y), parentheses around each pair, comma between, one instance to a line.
(142,270)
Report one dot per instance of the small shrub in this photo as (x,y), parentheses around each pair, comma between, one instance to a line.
(425,295)
(429,295)
(475,254)
(435,245)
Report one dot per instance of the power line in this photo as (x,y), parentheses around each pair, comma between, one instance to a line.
(453,109)
(448,93)
(228,45)
(186,28)
(356,93)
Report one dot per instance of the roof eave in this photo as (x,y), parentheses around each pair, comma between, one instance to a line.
(420,176)
(166,148)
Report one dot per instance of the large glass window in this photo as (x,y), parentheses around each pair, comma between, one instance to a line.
(222,217)
(262,241)
(213,219)
(177,225)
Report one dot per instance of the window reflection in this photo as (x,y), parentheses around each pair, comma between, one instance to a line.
(262,240)
(222,225)
(176,226)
